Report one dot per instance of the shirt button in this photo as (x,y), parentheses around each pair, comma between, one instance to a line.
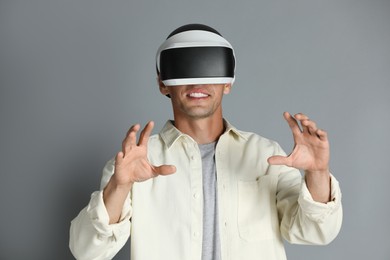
(196,234)
(196,195)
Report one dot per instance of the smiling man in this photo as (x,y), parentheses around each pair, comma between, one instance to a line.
(201,189)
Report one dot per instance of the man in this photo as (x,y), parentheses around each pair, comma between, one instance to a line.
(201,189)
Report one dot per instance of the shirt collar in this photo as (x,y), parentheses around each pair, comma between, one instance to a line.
(170,134)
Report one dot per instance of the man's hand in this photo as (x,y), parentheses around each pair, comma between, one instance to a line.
(310,153)
(311,146)
(131,165)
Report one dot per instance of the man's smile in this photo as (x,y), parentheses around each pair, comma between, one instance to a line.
(197,94)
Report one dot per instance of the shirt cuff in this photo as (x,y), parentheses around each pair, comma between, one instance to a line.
(318,211)
(100,219)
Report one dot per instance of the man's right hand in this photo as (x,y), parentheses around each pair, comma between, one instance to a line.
(131,165)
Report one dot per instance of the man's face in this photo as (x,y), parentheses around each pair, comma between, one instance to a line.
(196,101)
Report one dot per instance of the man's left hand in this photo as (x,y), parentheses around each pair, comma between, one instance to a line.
(310,153)
(311,146)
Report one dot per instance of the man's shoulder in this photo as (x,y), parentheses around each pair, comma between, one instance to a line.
(247,136)
(254,144)
(251,137)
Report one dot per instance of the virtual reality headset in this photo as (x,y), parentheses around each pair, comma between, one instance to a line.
(195,54)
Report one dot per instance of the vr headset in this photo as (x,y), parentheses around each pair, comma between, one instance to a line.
(195,54)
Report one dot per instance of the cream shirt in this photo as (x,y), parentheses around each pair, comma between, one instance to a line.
(259,205)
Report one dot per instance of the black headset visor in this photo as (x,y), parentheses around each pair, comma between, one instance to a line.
(197,62)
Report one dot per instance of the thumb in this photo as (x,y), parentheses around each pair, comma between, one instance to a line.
(278,160)
(164,169)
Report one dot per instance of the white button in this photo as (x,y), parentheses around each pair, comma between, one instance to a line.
(196,195)
(195,234)
(192,157)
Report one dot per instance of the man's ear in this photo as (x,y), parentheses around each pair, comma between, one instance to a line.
(163,89)
(227,88)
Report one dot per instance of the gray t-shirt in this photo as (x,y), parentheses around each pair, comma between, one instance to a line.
(211,246)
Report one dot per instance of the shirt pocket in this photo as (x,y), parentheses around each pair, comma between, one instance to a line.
(257,213)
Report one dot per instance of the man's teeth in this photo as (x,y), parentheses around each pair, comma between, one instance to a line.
(197,95)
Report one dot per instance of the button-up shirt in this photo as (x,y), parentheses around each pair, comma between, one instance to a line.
(259,204)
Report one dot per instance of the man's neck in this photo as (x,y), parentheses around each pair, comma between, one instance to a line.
(203,130)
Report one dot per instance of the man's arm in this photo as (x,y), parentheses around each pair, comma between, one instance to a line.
(91,235)
(302,219)
(131,165)
(311,212)
(103,227)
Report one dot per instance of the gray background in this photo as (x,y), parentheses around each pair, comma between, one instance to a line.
(74,75)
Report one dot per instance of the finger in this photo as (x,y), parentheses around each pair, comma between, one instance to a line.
(296,130)
(132,128)
(119,157)
(144,137)
(279,160)
(164,169)
(323,135)
(309,126)
(302,118)
(131,138)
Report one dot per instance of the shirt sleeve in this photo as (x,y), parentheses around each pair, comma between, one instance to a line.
(317,211)
(303,220)
(91,235)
